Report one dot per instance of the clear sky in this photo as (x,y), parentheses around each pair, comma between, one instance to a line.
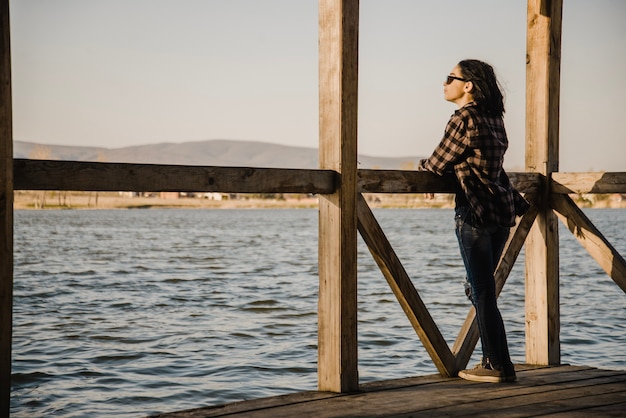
(115,73)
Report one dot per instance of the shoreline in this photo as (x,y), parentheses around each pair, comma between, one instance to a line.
(40,200)
(37,200)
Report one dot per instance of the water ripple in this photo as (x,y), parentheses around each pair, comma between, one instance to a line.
(129,313)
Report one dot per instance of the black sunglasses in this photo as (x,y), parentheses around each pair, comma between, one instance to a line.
(451,78)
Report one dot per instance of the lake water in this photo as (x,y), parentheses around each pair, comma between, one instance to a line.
(135,312)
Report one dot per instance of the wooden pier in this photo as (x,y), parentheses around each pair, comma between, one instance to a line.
(557,391)
(545,388)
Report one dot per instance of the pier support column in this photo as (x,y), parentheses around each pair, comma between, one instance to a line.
(543,63)
(6,211)
(338,84)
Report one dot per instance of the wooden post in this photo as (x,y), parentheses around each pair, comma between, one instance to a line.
(543,61)
(338,59)
(6,211)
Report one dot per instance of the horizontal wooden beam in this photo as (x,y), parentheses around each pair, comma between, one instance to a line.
(93,176)
(395,181)
(594,182)
(399,181)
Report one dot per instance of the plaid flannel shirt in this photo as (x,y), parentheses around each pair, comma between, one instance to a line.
(473,147)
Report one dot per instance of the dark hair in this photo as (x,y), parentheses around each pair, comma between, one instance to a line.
(487,92)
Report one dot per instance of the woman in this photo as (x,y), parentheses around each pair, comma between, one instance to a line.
(473,148)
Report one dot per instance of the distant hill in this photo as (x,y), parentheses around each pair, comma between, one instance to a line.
(209,153)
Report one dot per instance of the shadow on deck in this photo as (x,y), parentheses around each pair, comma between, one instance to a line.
(567,391)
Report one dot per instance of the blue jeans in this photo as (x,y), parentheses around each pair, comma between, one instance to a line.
(481,247)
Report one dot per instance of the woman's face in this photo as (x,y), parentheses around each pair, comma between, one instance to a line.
(456,91)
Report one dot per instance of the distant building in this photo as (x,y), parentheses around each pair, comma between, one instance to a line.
(211,196)
(168,195)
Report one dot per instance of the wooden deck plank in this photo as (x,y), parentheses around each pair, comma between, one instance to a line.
(584,404)
(523,401)
(613,410)
(541,390)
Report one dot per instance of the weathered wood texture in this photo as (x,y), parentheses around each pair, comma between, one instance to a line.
(93,176)
(591,238)
(337,307)
(402,181)
(403,289)
(396,181)
(543,60)
(556,391)
(600,182)
(6,210)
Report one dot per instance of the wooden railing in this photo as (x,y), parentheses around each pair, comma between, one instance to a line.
(99,177)
(91,176)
